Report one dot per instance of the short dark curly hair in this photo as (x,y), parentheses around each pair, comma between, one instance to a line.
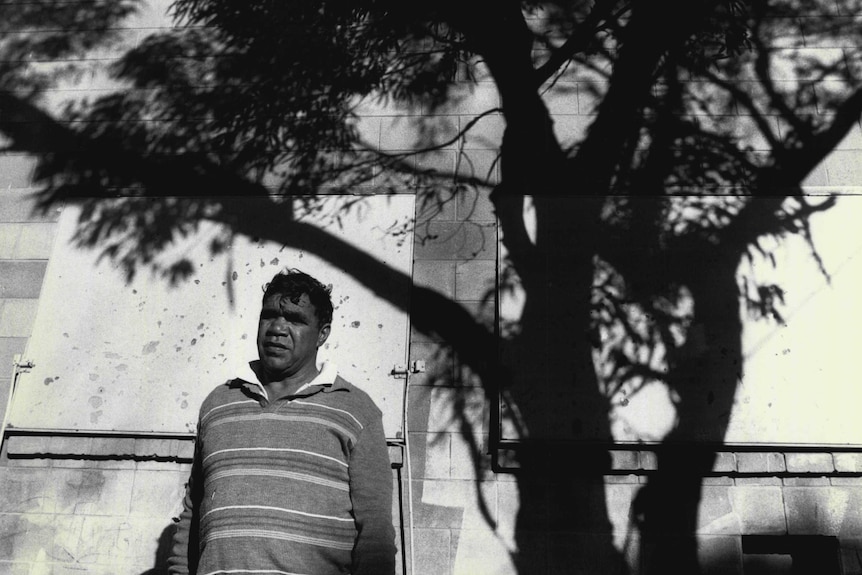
(292,283)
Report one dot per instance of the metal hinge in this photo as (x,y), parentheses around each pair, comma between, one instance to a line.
(20,366)
(401,371)
(23,366)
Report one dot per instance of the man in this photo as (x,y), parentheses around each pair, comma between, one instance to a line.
(291,471)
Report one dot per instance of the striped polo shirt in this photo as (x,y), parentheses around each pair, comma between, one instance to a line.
(298,485)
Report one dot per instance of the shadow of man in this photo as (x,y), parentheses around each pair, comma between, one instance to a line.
(163,551)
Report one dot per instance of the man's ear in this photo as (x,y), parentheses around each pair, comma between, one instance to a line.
(323,334)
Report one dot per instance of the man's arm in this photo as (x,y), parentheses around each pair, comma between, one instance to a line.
(184,554)
(371,493)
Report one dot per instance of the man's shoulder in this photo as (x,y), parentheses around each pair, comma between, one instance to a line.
(229,390)
(355,396)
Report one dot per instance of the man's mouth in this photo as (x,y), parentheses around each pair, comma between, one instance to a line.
(274,345)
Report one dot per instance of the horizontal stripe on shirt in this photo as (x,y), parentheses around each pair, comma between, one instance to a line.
(342,485)
(206,416)
(274,449)
(280,536)
(253,572)
(280,509)
(286,418)
(347,413)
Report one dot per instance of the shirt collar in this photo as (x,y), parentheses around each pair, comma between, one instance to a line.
(327,379)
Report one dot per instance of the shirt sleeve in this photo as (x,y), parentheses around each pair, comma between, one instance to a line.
(371,494)
(184,553)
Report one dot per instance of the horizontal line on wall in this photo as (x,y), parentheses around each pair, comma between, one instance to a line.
(695,446)
(96,433)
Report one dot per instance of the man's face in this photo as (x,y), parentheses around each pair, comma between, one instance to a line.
(288,336)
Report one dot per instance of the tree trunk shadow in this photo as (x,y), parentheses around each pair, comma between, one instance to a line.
(707,370)
(563,523)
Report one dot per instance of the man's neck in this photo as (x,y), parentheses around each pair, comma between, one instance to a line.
(290,384)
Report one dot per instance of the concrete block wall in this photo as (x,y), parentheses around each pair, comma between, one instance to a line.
(788,496)
(25,245)
(73,504)
(85,515)
(454,491)
(815,496)
(750,493)
(26,238)
(96,505)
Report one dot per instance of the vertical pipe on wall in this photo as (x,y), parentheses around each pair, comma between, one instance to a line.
(407,468)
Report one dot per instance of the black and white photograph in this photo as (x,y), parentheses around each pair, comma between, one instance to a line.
(509,287)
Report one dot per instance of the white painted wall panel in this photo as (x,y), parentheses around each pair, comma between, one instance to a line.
(801,380)
(142,356)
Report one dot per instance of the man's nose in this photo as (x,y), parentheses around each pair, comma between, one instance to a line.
(277,327)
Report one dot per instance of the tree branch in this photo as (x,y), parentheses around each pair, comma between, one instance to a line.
(752,111)
(509,208)
(225,195)
(785,177)
(583,36)
(646,39)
